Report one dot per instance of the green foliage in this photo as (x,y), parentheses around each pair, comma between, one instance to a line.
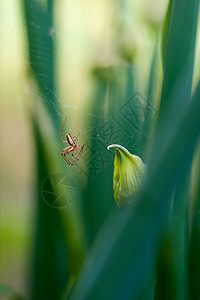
(179,43)
(178,63)
(46,280)
(123,269)
(51,267)
(194,247)
(91,249)
(123,259)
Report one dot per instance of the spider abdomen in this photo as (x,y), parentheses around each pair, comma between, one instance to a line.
(69,139)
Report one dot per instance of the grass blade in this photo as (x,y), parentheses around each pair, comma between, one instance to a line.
(194,248)
(180,43)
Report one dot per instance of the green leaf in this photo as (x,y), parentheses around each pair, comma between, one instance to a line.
(165,32)
(194,247)
(113,86)
(179,45)
(51,266)
(178,50)
(171,277)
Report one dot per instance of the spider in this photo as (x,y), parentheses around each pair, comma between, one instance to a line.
(72,148)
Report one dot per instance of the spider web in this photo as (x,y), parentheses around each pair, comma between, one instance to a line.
(95,156)
(98,131)
(65,110)
(92,130)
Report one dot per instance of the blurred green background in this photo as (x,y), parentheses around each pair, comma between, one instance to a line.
(85,61)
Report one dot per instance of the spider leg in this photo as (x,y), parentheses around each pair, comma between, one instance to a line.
(62,130)
(76,138)
(65,149)
(66,159)
(64,152)
(78,156)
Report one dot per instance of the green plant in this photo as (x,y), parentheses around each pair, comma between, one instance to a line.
(147,101)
